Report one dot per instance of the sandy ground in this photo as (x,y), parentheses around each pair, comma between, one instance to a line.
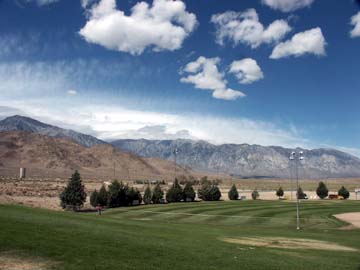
(9,261)
(352,218)
(287,243)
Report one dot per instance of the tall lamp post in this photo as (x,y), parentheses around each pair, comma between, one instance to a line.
(297,157)
(176,151)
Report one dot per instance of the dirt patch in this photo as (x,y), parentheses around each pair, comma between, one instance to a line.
(352,218)
(287,243)
(10,261)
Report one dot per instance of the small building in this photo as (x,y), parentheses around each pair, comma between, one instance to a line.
(357,193)
(22,173)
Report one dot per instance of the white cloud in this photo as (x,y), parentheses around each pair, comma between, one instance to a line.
(114,122)
(205,75)
(287,5)
(42,2)
(308,42)
(245,27)
(72,92)
(355,21)
(162,26)
(246,70)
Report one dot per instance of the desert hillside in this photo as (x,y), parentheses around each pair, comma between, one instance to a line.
(58,157)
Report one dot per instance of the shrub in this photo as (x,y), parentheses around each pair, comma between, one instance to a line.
(175,193)
(157,194)
(94,198)
(209,192)
(343,192)
(322,191)
(233,193)
(255,195)
(280,192)
(189,192)
(74,194)
(147,195)
(300,194)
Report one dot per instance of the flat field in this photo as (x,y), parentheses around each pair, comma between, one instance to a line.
(203,235)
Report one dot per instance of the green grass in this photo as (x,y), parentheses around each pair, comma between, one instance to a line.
(180,236)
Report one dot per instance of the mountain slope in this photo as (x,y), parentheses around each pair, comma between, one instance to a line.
(21,123)
(46,156)
(246,160)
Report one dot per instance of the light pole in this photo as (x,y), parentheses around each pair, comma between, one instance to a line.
(297,156)
(176,151)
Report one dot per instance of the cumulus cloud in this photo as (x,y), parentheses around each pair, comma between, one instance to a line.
(287,5)
(246,70)
(308,42)
(245,27)
(355,21)
(164,25)
(205,75)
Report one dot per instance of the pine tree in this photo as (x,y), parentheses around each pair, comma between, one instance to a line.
(209,192)
(300,194)
(343,192)
(175,192)
(233,193)
(147,195)
(280,192)
(322,191)
(157,194)
(189,192)
(103,195)
(94,198)
(74,194)
(255,195)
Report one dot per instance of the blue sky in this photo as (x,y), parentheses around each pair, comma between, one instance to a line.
(270,72)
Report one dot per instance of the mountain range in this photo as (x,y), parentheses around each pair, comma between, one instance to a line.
(239,160)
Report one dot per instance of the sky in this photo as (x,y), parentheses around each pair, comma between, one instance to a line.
(268,72)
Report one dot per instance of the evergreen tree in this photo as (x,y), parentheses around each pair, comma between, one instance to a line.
(94,198)
(343,192)
(74,194)
(209,192)
(157,194)
(133,195)
(189,192)
(118,194)
(175,193)
(322,191)
(255,195)
(300,194)
(280,192)
(147,195)
(233,193)
(103,195)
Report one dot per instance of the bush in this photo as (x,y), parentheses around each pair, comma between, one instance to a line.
(255,195)
(74,194)
(280,192)
(233,193)
(147,195)
(322,191)
(300,194)
(209,192)
(175,193)
(189,192)
(343,192)
(158,194)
